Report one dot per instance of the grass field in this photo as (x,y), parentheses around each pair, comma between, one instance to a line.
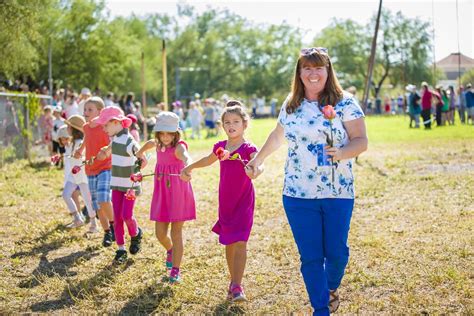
(411,238)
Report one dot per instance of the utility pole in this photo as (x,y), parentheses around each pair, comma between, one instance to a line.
(50,69)
(371,59)
(434,46)
(459,48)
(145,114)
(165,77)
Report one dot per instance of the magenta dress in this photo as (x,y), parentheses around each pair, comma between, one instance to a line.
(173,199)
(236,197)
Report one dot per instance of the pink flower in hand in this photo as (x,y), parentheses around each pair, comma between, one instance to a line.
(222,154)
(329,112)
(130,195)
(76,169)
(136,177)
(55,159)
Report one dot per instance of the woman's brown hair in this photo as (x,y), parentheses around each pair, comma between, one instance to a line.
(176,139)
(332,92)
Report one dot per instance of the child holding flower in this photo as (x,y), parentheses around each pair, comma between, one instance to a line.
(173,199)
(236,193)
(97,171)
(122,149)
(70,137)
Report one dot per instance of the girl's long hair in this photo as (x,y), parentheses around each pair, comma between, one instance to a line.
(332,92)
(76,134)
(176,139)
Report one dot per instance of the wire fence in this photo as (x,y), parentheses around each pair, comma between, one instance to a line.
(21,126)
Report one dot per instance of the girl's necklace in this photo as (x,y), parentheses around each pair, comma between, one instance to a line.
(232,148)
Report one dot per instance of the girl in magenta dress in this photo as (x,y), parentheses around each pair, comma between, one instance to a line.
(173,199)
(236,193)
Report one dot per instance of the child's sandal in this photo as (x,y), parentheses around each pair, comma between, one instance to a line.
(333,301)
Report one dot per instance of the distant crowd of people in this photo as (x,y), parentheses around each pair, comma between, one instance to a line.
(440,105)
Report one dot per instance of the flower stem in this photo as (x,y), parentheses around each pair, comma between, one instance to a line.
(332,158)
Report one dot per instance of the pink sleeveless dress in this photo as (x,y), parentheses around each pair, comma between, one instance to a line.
(236,197)
(173,199)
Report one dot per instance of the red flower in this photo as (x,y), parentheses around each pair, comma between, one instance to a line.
(130,195)
(55,159)
(329,112)
(136,177)
(76,169)
(222,154)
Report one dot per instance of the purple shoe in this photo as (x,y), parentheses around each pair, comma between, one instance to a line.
(238,294)
(175,276)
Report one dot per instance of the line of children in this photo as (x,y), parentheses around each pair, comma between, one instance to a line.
(173,199)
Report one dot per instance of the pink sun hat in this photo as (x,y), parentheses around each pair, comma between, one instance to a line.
(112,113)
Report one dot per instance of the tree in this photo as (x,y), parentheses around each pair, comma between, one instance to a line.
(20,35)
(348,45)
(403,51)
(468,77)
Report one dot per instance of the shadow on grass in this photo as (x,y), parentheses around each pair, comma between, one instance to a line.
(40,165)
(147,300)
(57,267)
(43,248)
(229,308)
(89,288)
(374,168)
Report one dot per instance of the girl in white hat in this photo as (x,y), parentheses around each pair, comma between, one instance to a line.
(173,199)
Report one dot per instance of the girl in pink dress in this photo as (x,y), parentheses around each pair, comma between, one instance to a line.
(236,193)
(173,198)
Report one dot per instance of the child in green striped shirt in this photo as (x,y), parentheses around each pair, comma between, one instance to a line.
(122,148)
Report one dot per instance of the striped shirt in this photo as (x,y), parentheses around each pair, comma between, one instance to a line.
(123,162)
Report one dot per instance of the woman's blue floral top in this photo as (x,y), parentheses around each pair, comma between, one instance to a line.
(304,129)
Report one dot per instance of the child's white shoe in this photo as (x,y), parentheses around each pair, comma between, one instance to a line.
(76,223)
(93,229)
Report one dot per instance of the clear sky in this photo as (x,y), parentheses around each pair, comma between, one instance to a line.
(315,15)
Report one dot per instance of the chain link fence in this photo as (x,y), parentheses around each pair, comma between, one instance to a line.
(21,128)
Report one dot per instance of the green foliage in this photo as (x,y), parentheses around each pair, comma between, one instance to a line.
(212,52)
(349,47)
(403,50)
(468,77)
(20,22)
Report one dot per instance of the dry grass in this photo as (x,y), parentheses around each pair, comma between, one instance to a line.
(411,239)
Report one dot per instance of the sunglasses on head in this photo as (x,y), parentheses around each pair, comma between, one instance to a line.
(312,50)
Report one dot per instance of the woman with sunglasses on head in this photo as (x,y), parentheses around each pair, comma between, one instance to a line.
(318,192)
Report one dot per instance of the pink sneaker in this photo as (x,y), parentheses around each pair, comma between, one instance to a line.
(175,276)
(238,294)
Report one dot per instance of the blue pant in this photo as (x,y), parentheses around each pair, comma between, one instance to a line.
(320,228)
